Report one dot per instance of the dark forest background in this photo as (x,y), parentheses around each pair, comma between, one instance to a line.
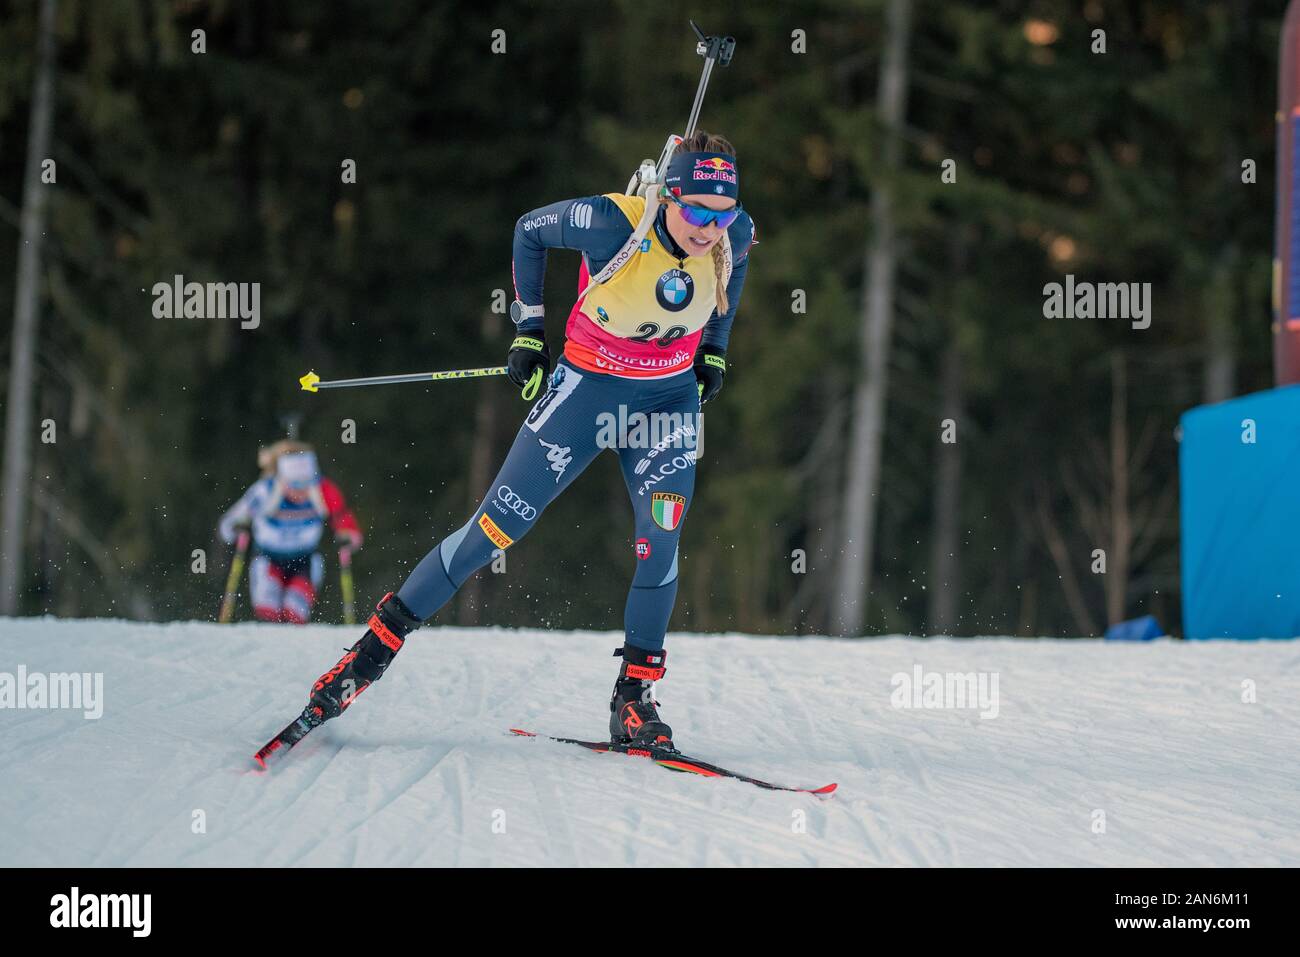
(224,166)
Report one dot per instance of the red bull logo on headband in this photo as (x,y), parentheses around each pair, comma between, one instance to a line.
(689,172)
(715,168)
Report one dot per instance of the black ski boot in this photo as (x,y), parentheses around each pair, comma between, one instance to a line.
(364,663)
(634,713)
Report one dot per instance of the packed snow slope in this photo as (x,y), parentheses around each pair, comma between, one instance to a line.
(1099,754)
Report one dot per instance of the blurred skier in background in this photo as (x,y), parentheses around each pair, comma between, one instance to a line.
(286,510)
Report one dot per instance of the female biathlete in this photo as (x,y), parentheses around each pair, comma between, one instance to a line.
(651,339)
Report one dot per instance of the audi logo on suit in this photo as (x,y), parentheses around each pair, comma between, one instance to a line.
(516,504)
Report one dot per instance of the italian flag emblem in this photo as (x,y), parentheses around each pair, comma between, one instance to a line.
(667,509)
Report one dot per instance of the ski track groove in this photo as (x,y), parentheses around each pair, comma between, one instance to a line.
(539,776)
(302,792)
(395,792)
(807,736)
(457,789)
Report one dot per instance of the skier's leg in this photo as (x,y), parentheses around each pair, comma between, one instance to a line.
(554,445)
(300,593)
(556,442)
(265,588)
(364,663)
(660,481)
(660,486)
(298,598)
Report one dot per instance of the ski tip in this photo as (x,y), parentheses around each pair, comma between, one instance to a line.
(826,790)
(270,749)
(522,732)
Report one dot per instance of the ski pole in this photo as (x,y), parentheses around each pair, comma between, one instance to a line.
(311,382)
(232,581)
(345,585)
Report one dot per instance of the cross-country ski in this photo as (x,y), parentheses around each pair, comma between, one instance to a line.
(674,760)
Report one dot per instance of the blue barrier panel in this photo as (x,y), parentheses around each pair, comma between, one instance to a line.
(1145,628)
(1240,508)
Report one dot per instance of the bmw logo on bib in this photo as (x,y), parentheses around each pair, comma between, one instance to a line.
(675,290)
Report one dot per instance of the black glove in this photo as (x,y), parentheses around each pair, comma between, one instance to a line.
(710,369)
(528,353)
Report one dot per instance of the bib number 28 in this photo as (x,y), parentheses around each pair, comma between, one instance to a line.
(649,331)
